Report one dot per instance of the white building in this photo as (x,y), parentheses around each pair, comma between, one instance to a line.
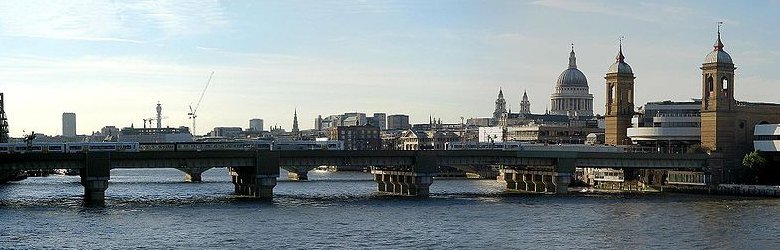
(767,138)
(667,123)
(491,134)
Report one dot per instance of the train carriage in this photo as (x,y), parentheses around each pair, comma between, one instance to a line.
(101,147)
(36,148)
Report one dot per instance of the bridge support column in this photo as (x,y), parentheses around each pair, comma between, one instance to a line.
(95,176)
(414,180)
(193,174)
(421,186)
(510,177)
(536,181)
(564,169)
(403,183)
(380,182)
(562,181)
(257,181)
(538,185)
(247,183)
(527,183)
(298,173)
(549,183)
(298,176)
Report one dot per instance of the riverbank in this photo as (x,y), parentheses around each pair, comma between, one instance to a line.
(722,189)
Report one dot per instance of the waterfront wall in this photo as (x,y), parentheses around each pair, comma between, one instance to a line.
(748,190)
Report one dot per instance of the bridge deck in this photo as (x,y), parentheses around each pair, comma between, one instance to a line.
(24,161)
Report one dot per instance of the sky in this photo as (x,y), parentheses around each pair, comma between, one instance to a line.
(111,62)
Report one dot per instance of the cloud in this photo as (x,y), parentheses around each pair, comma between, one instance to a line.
(356,6)
(642,11)
(132,21)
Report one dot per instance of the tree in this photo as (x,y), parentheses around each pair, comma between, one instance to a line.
(754,163)
(754,160)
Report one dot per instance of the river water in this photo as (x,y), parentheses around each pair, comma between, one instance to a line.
(153,208)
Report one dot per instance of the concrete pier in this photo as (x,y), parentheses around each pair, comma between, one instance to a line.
(403,183)
(257,181)
(414,180)
(562,181)
(193,174)
(298,176)
(298,173)
(95,176)
(536,181)
(247,182)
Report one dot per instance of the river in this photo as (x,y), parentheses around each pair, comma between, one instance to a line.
(153,208)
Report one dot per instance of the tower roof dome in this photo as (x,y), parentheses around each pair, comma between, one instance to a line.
(620,66)
(572,76)
(718,55)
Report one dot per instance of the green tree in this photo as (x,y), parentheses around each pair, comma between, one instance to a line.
(754,163)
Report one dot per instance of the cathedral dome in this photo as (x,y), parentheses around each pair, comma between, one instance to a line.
(572,77)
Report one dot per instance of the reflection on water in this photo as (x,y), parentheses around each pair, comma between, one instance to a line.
(153,208)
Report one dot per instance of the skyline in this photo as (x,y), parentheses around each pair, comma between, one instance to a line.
(110,63)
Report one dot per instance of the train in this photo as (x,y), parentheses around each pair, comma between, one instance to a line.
(70,147)
(250,145)
(206,146)
(528,146)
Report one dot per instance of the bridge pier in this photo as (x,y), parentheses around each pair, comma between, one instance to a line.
(193,174)
(247,182)
(298,176)
(403,183)
(527,182)
(95,176)
(511,180)
(536,181)
(257,181)
(562,181)
(298,173)
(414,180)
(549,183)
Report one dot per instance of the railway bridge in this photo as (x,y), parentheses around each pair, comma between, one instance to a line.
(408,173)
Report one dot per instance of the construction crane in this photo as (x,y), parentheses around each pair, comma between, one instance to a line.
(193,112)
(151,121)
(158,118)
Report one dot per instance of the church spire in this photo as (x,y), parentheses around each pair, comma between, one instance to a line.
(572,58)
(295,121)
(620,57)
(500,105)
(525,105)
(718,44)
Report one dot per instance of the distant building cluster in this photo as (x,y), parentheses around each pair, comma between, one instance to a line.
(716,122)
